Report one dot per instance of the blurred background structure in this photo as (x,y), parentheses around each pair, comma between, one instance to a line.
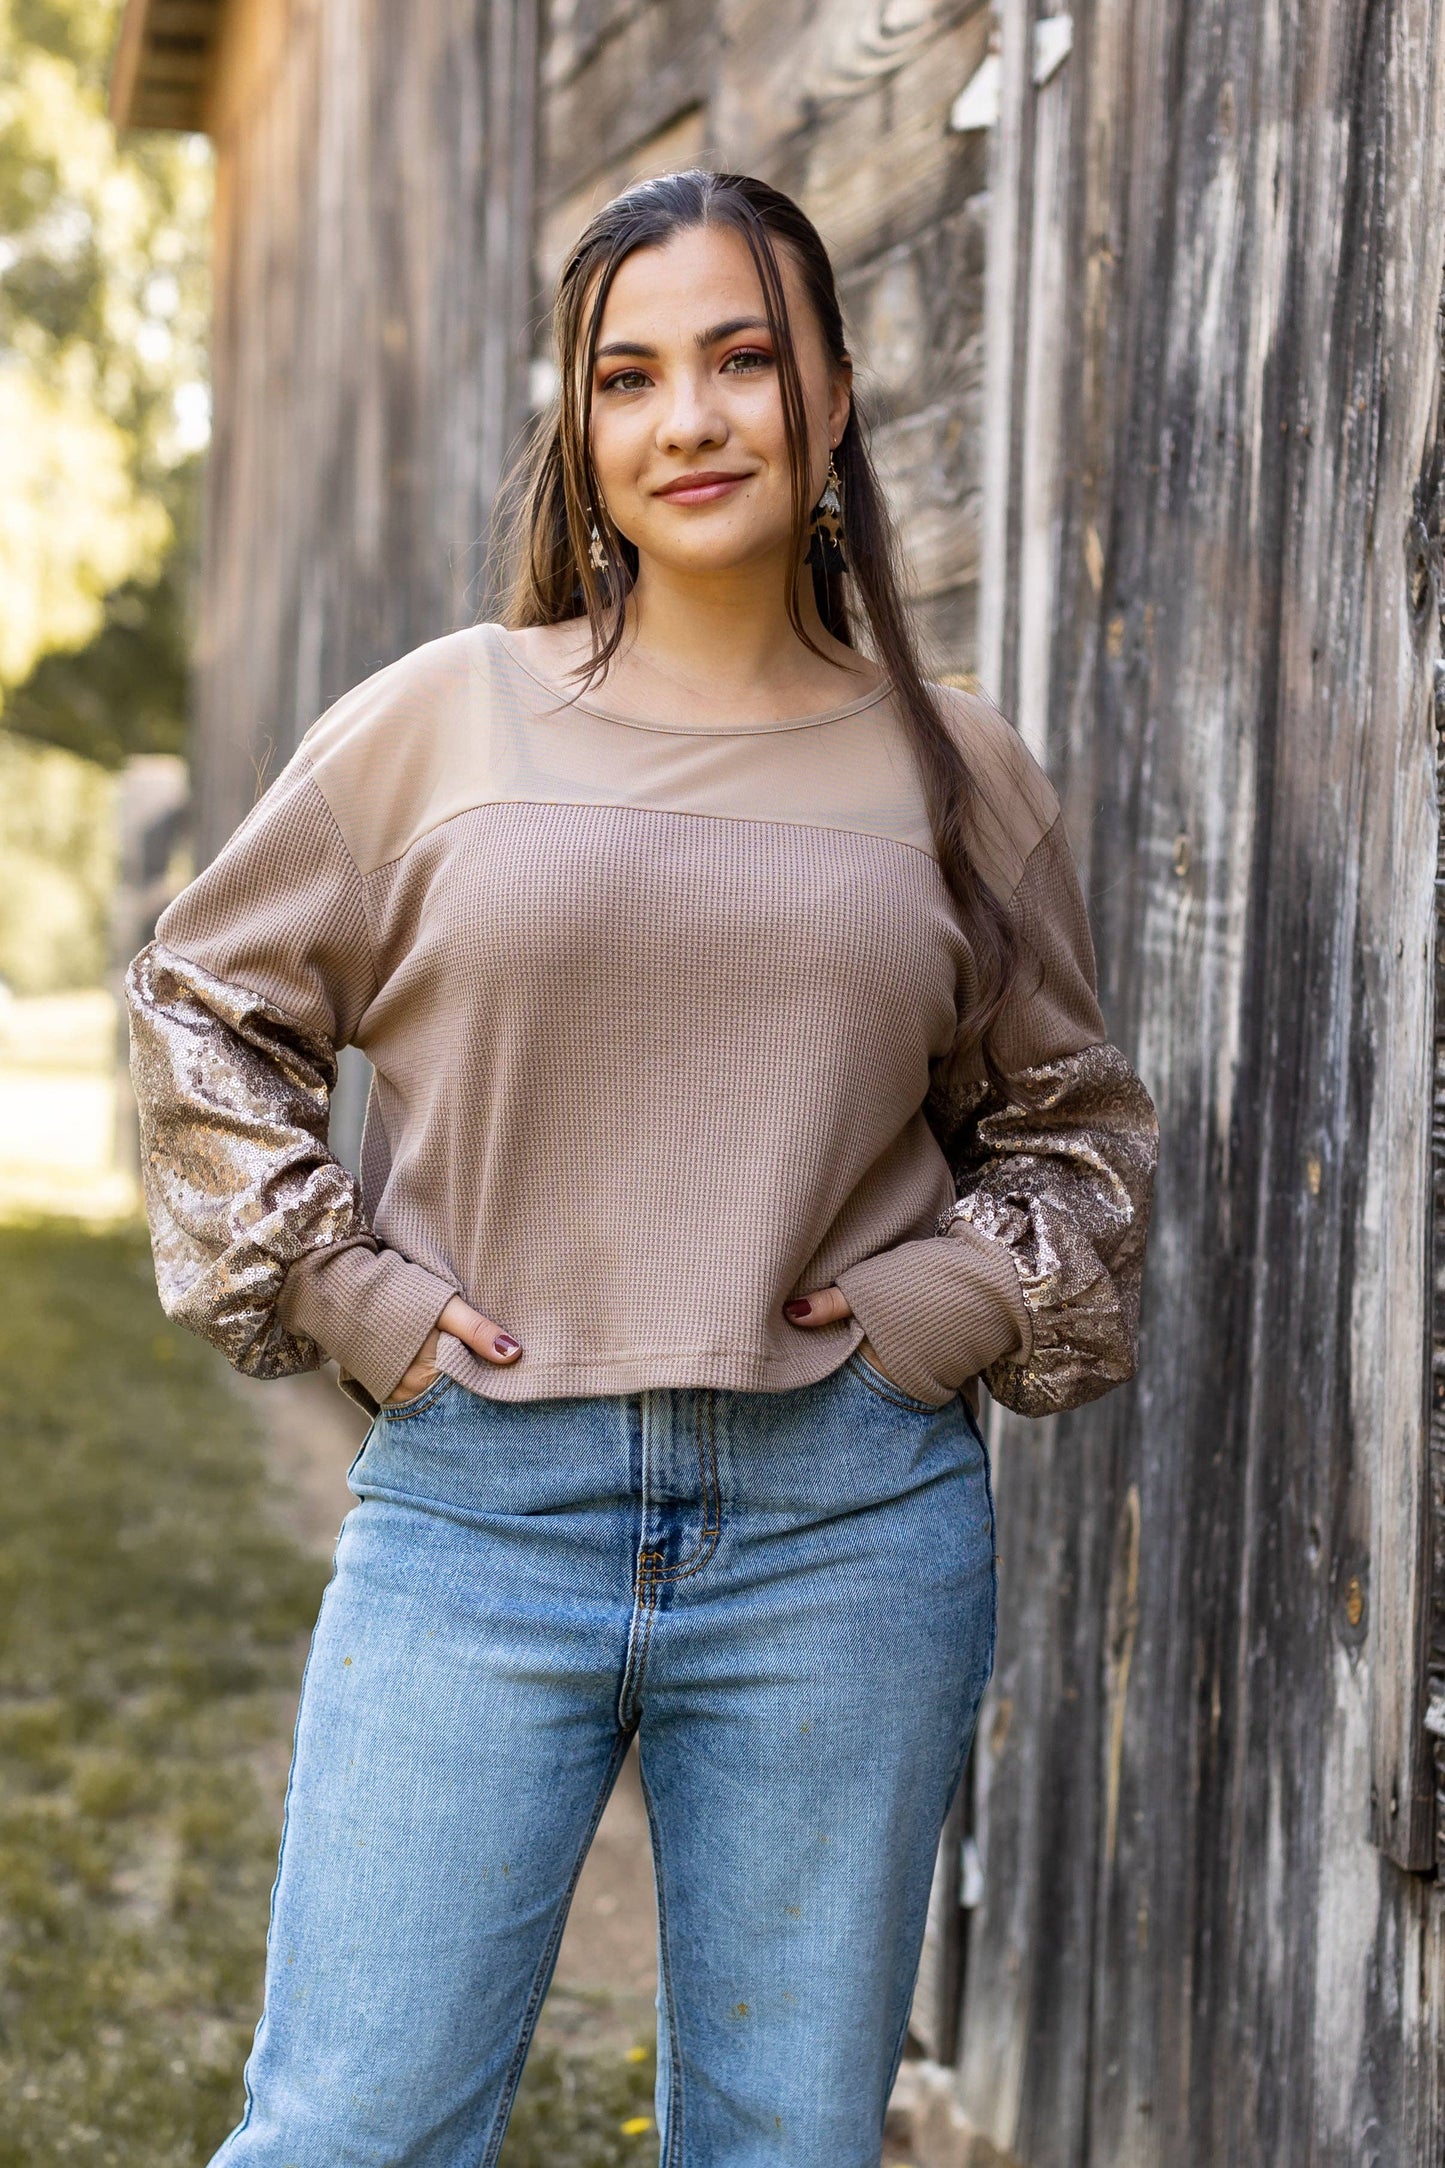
(1146,296)
(104,407)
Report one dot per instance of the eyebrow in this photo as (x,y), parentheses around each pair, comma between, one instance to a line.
(713,336)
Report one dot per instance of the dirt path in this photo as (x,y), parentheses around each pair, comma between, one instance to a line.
(606,1976)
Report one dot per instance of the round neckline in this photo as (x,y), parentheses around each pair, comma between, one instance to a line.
(691,730)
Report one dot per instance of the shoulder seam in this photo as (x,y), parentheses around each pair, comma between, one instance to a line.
(1052,830)
(310,777)
(684,813)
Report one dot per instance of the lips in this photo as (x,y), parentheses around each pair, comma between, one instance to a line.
(701,488)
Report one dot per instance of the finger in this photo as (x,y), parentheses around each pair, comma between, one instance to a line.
(410,1384)
(416,1377)
(821,1308)
(478,1333)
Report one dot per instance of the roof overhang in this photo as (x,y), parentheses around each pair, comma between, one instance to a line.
(161,73)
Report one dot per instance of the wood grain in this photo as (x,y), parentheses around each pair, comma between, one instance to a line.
(1204,511)
(373,284)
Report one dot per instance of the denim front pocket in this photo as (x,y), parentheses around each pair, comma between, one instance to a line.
(401,1409)
(876,1382)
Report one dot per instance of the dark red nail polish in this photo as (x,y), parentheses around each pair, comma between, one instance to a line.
(800,1308)
(504,1343)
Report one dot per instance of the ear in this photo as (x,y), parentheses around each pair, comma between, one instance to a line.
(840,397)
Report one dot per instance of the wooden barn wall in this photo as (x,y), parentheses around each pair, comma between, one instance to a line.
(373,279)
(1211,1930)
(845,104)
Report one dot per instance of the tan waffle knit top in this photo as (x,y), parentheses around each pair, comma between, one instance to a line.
(662,1019)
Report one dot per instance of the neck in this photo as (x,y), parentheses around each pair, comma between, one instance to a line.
(727,633)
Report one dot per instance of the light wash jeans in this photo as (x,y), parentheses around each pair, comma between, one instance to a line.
(789,1597)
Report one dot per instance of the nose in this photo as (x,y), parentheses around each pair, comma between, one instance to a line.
(692,418)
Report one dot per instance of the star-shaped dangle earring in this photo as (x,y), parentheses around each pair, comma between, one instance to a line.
(825,539)
(597,552)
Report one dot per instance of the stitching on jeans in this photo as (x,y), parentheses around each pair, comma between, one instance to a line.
(639,1633)
(649,1613)
(711,1513)
(897,1398)
(541,1979)
(645,1593)
(651,1572)
(670,2151)
(992,1547)
(423,1400)
(245,2122)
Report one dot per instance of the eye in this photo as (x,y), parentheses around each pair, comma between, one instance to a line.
(749,359)
(625,380)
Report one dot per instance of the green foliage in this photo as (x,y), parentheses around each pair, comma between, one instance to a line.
(125,691)
(58,850)
(103,322)
(152,1628)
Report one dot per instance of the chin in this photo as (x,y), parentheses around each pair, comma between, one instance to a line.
(712,558)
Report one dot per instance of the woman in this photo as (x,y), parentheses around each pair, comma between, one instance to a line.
(741,1096)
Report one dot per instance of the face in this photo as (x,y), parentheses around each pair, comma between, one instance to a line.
(687,417)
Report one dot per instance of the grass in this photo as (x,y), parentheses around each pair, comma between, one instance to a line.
(153,1621)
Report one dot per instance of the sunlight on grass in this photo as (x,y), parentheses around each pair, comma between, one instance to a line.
(59,1108)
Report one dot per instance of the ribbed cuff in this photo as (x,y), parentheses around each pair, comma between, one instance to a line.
(940,1310)
(369,1308)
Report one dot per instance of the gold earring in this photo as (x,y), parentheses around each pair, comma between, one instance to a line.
(825,537)
(597,552)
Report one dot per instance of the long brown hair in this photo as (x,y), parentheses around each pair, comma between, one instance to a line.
(555,500)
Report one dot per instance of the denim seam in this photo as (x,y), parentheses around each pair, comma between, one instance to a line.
(992,1546)
(651,1573)
(646,1593)
(961,1765)
(711,1514)
(670,2140)
(405,1409)
(542,1978)
(245,2121)
(897,1398)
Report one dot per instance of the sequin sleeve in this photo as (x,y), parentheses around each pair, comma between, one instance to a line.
(1062,1173)
(260,970)
(233,1098)
(1031,1277)
(1063,1177)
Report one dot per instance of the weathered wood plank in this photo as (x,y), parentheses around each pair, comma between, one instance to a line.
(656,65)
(1425,559)
(880,165)
(928,462)
(681,144)
(374,286)
(164,55)
(1233,705)
(792,70)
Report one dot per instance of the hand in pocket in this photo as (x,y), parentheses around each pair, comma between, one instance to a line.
(468,1325)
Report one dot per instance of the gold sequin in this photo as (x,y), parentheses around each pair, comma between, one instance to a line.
(1065,1178)
(239,1183)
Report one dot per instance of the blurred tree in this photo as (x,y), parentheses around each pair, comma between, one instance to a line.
(103,399)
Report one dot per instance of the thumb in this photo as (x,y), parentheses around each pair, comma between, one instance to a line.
(478,1332)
